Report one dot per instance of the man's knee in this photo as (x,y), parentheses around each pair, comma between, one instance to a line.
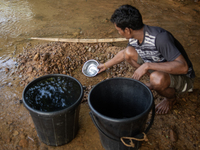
(130,53)
(159,80)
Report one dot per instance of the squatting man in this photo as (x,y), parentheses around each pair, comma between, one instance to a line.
(154,51)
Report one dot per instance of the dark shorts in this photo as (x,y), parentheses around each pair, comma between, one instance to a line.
(181,83)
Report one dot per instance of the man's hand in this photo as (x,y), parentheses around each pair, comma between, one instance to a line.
(101,67)
(139,72)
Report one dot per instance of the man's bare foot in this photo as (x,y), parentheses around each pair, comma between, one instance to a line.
(165,106)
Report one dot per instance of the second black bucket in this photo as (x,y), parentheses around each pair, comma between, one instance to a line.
(54,104)
(119,110)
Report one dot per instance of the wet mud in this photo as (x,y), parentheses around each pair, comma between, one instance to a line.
(177,130)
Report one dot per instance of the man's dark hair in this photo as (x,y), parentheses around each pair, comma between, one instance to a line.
(127,16)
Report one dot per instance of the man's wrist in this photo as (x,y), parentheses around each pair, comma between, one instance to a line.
(105,66)
(147,65)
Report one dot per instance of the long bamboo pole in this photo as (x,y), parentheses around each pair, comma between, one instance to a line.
(81,40)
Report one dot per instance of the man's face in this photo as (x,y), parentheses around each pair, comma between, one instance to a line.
(125,33)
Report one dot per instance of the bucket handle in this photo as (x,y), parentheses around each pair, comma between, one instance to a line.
(95,123)
(131,144)
(140,137)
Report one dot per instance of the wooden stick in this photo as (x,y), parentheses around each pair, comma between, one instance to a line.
(81,40)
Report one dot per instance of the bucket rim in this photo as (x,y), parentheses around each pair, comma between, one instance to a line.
(52,112)
(121,119)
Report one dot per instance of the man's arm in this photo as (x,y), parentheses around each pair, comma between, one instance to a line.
(119,57)
(177,66)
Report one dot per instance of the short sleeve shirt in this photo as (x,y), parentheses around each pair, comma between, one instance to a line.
(160,46)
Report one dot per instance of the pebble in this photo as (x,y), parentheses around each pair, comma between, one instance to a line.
(30,69)
(173,136)
(23,143)
(76,34)
(89,49)
(9,122)
(8,140)
(7,70)
(15,133)
(36,56)
(93,50)
(193,98)
(22,136)
(10,84)
(46,56)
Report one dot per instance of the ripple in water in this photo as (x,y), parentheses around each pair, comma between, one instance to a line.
(15,17)
(52,94)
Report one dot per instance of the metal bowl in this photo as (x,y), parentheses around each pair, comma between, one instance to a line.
(90,68)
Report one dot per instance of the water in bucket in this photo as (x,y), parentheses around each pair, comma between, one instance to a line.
(52,94)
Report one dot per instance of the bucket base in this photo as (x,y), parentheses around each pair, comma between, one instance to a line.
(109,144)
(57,130)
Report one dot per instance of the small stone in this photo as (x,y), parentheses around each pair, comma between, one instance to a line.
(23,61)
(15,133)
(108,56)
(10,84)
(173,136)
(184,99)
(46,56)
(8,140)
(22,136)
(30,69)
(106,20)
(76,34)
(9,122)
(96,46)
(46,69)
(176,111)
(28,44)
(193,98)
(93,50)
(7,70)
(36,56)
(89,50)
(23,143)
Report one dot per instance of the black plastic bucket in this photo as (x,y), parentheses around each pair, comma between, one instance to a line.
(119,110)
(56,122)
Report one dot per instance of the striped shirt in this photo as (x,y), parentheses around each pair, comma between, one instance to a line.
(160,46)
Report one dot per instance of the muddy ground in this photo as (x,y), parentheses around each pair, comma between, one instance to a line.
(178,130)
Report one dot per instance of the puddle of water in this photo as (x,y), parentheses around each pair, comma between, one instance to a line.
(14,17)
